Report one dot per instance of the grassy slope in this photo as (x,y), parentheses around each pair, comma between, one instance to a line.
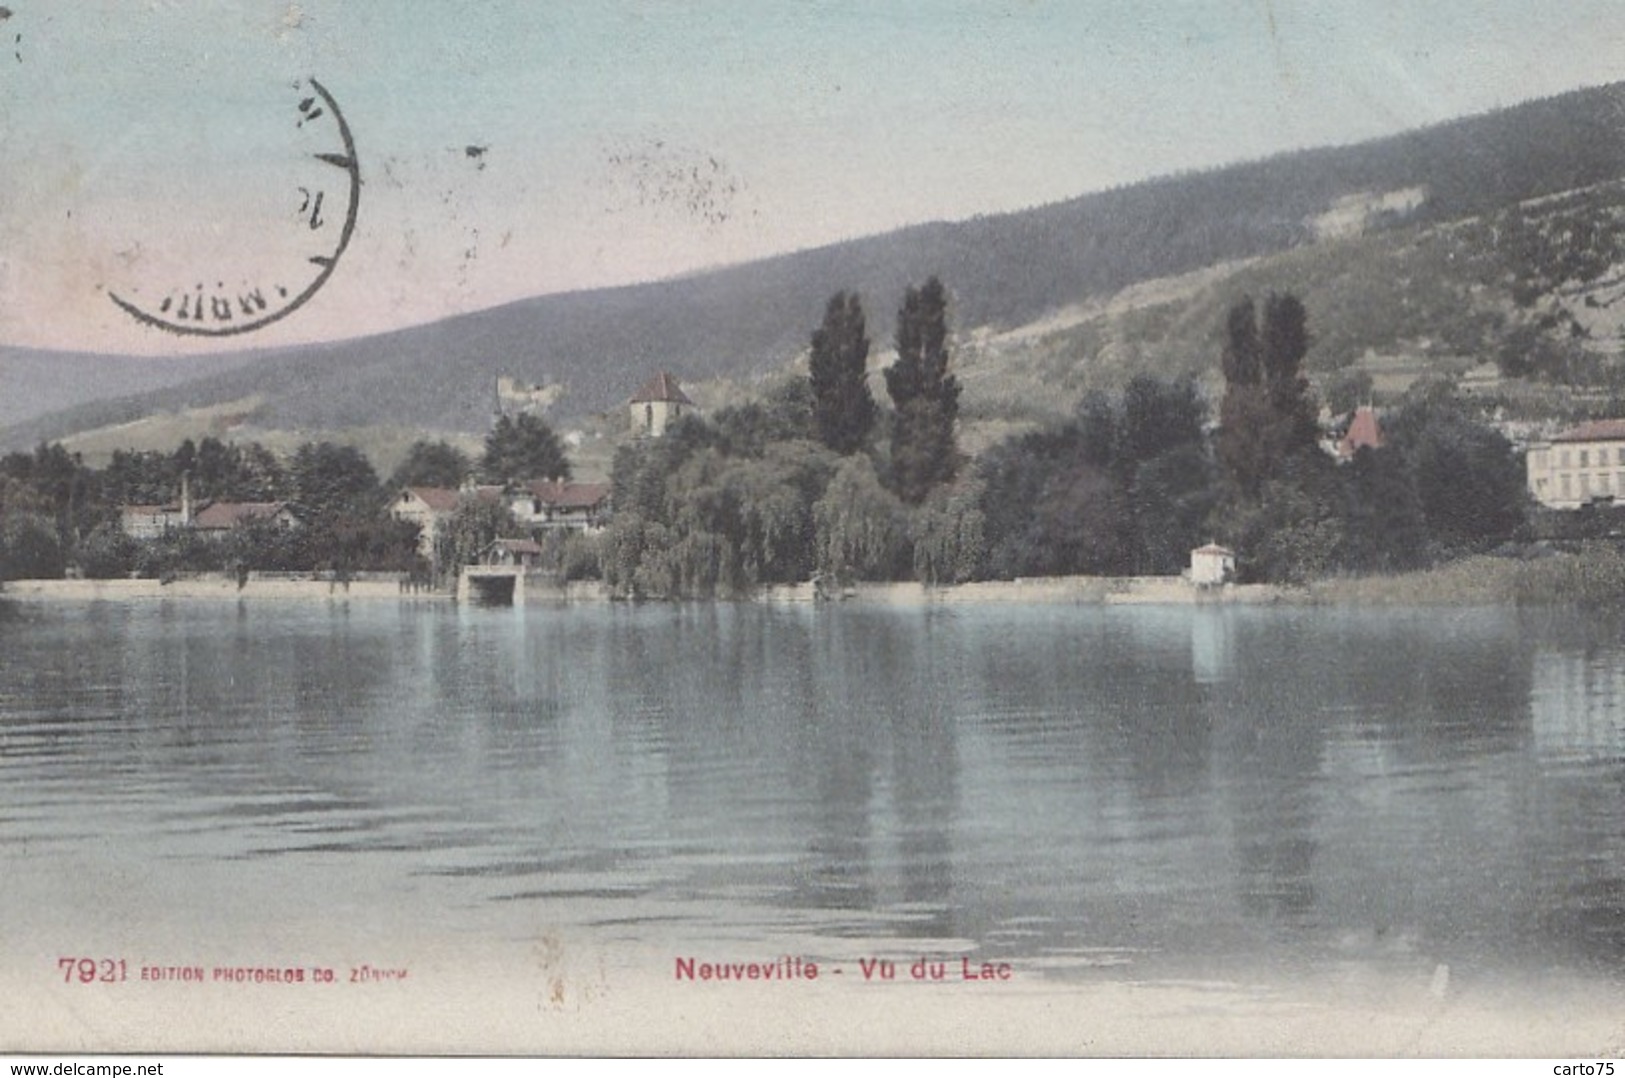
(1426,299)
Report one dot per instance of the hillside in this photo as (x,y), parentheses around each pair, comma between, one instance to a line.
(1512,290)
(34,382)
(1327,221)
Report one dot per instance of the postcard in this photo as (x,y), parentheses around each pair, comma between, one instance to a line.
(938,527)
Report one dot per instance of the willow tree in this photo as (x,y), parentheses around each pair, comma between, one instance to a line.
(477,523)
(861,527)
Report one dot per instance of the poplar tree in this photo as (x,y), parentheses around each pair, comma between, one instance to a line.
(843,408)
(1267,414)
(1282,506)
(925,395)
(1285,344)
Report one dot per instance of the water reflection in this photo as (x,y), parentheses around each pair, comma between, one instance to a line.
(1213,652)
(1060,782)
(1577,704)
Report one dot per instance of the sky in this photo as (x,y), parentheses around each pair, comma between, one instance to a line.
(508,148)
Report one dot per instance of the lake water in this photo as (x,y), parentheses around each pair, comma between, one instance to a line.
(1090,794)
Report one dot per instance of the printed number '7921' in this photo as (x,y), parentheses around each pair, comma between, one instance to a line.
(92,970)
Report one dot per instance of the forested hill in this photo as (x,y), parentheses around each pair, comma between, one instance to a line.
(1003,271)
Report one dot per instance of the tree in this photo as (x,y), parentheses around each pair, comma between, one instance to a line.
(1467,477)
(212,468)
(367,541)
(1095,429)
(843,408)
(926,397)
(332,480)
(1245,407)
(260,476)
(1050,504)
(523,447)
(1386,530)
(431,464)
(29,548)
(106,553)
(1079,523)
(737,522)
(1282,505)
(473,527)
(1293,531)
(1267,414)
(1158,417)
(950,537)
(232,472)
(784,414)
(1162,467)
(185,457)
(60,478)
(641,469)
(1285,344)
(707,510)
(28,540)
(140,478)
(1348,389)
(861,527)
(1171,497)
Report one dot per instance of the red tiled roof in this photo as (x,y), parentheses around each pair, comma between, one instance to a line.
(439,499)
(662,387)
(1600,430)
(1364,433)
(568,495)
(1214,548)
(519,546)
(222,515)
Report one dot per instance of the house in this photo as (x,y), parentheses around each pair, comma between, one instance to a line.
(657,405)
(1364,432)
(152,521)
(1212,565)
(431,507)
(209,518)
(222,518)
(144,522)
(427,507)
(552,504)
(1580,465)
(511,552)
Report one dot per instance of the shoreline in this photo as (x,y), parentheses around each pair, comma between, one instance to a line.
(1589,577)
(1073,590)
(1076,590)
(216,587)
(1057,590)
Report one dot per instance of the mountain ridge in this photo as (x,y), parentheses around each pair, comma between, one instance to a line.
(1003,270)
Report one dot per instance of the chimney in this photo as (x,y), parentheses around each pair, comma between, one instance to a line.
(186,497)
